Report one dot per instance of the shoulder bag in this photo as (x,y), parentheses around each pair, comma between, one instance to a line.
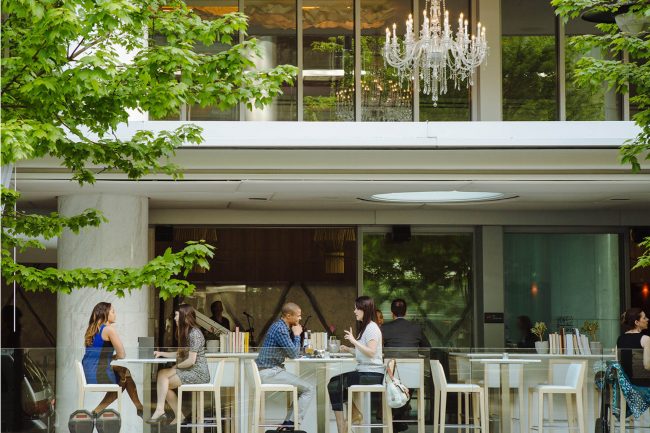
(396,393)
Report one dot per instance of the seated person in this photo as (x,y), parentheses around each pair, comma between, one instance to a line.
(283,341)
(633,347)
(101,340)
(191,364)
(526,337)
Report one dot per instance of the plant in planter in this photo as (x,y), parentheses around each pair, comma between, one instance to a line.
(539,330)
(590,328)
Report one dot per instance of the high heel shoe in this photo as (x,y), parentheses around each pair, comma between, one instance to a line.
(157,420)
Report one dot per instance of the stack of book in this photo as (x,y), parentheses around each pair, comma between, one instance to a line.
(234,342)
(569,342)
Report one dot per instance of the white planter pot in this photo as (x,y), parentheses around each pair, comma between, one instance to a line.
(596,347)
(541,347)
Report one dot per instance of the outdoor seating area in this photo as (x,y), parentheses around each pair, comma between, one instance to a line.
(470,388)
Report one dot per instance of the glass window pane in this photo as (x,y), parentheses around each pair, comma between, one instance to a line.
(592,102)
(562,280)
(383,97)
(529,62)
(433,273)
(634,107)
(328,60)
(273,24)
(455,104)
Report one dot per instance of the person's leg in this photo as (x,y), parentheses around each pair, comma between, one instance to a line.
(127,383)
(172,398)
(306,391)
(162,386)
(109,398)
(338,392)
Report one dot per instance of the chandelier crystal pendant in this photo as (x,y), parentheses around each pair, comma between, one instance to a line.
(436,55)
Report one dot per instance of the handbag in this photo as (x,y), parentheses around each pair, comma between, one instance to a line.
(396,393)
(602,422)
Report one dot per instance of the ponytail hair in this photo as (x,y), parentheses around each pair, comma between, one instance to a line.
(629,318)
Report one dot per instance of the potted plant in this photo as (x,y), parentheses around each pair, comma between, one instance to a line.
(590,328)
(539,330)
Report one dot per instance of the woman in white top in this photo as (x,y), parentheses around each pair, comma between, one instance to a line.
(368,351)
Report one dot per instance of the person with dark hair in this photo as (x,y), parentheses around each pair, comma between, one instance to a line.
(368,352)
(633,347)
(526,337)
(283,341)
(216,308)
(402,339)
(191,364)
(103,344)
(380,317)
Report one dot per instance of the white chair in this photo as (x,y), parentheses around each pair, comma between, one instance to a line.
(569,385)
(259,395)
(411,375)
(201,388)
(387,422)
(442,388)
(95,387)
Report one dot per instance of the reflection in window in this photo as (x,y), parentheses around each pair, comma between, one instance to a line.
(587,102)
(529,60)
(562,280)
(433,274)
(455,104)
(383,99)
(328,59)
(273,24)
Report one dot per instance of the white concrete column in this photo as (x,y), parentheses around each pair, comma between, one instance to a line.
(490,94)
(121,242)
(268,48)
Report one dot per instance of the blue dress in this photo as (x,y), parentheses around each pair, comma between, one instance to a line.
(97,360)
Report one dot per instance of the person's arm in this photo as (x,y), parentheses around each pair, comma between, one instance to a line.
(291,345)
(111,334)
(369,350)
(187,363)
(196,342)
(645,343)
(157,354)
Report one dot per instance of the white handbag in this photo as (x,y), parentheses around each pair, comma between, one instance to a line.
(396,393)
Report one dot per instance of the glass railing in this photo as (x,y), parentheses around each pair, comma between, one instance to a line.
(41,388)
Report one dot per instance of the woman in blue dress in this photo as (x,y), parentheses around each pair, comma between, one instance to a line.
(103,344)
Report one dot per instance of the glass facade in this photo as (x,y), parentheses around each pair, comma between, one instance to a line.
(593,102)
(529,60)
(562,280)
(328,60)
(433,274)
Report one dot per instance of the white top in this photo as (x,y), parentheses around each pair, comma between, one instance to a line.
(367,364)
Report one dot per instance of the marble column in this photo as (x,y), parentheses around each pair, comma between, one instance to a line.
(121,242)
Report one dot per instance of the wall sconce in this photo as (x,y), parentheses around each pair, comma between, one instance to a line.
(534,289)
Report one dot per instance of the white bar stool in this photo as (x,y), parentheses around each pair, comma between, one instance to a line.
(201,388)
(570,385)
(95,387)
(258,400)
(442,388)
(387,421)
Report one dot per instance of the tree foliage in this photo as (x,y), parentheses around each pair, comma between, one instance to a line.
(72,70)
(621,75)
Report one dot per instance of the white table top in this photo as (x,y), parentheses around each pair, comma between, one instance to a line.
(143,361)
(505,360)
(231,355)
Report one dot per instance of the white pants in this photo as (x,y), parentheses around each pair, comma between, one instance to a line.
(306,391)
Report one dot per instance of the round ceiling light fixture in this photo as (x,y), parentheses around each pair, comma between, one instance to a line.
(440,197)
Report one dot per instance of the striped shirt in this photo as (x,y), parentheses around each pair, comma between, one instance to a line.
(279,343)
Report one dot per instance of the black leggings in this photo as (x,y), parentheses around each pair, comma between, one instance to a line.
(338,385)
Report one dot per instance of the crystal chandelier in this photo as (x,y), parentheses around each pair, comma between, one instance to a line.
(436,55)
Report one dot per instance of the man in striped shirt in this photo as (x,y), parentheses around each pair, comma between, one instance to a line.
(283,341)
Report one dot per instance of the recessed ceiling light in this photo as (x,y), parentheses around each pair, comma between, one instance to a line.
(439,197)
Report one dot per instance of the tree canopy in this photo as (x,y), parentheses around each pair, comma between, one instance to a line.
(626,76)
(72,70)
